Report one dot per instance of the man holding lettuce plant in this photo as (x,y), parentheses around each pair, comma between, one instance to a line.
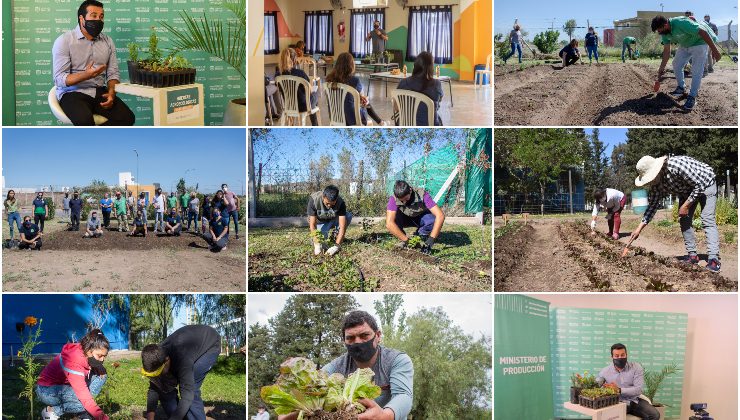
(628,380)
(393,370)
(327,211)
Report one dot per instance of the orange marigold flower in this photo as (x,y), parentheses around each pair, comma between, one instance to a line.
(30,321)
(116,364)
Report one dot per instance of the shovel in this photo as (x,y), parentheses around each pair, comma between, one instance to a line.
(626,249)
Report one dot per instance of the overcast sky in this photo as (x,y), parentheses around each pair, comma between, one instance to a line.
(469,311)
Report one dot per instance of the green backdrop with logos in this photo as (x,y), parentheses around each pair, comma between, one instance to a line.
(581,339)
(38,23)
(522,372)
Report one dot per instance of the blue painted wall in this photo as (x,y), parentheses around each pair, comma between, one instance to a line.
(63,316)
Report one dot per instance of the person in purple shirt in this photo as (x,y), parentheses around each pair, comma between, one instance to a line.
(628,379)
(85,71)
(413,207)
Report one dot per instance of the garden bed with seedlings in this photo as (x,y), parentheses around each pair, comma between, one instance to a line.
(608,94)
(566,256)
(281,259)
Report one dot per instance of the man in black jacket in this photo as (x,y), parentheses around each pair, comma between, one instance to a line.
(181,361)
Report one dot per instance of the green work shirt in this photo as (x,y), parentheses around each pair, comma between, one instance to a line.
(685,32)
(172,202)
(184,200)
(11,206)
(120,205)
(628,40)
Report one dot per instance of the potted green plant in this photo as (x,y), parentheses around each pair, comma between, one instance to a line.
(387,55)
(580,382)
(225,39)
(597,398)
(133,63)
(653,381)
(174,70)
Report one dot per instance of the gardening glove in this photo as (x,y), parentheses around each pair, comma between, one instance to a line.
(317,249)
(427,247)
(593,224)
(96,366)
(333,250)
(402,244)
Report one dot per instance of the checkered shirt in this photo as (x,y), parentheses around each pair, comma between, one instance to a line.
(681,175)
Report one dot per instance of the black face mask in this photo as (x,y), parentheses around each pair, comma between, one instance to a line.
(620,363)
(376,26)
(94,27)
(362,352)
(27,223)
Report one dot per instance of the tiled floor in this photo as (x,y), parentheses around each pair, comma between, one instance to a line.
(472,107)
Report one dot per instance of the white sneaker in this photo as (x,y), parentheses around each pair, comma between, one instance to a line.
(48,415)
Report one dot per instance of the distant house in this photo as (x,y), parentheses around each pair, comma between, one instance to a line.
(148,190)
(638,26)
(65,319)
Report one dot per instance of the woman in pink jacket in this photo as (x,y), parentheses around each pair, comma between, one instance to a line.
(72,380)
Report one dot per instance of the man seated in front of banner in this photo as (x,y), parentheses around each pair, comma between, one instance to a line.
(85,71)
(628,379)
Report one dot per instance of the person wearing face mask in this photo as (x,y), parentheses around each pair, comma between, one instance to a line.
(159,208)
(413,207)
(592,44)
(65,206)
(93,229)
(709,67)
(327,214)
(121,208)
(394,370)
(205,214)
(73,378)
(696,41)
(106,207)
(173,223)
(85,71)
(180,362)
(262,413)
(75,209)
(30,235)
(171,202)
(141,208)
(218,232)
(139,225)
(378,37)
(628,380)
(11,211)
(232,208)
(40,210)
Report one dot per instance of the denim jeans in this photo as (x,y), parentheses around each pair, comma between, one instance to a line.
(326,227)
(233,215)
(193,216)
(515,47)
(197,409)
(628,48)
(423,223)
(708,202)
(62,398)
(595,50)
(11,217)
(698,56)
(159,221)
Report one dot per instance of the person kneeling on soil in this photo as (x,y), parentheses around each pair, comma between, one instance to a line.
(120,207)
(695,40)
(139,225)
(393,370)
(410,207)
(328,215)
(628,380)
(173,223)
(181,361)
(73,378)
(218,234)
(613,202)
(694,183)
(570,53)
(93,228)
(30,235)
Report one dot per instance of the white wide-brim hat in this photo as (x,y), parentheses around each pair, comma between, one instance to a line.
(648,168)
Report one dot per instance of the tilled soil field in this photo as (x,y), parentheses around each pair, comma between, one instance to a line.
(566,257)
(608,94)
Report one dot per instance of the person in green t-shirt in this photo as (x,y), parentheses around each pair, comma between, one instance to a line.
(184,198)
(694,40)
(119,209)
(627,44)
(171,203)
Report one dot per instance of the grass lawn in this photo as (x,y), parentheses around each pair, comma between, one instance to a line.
(124,394)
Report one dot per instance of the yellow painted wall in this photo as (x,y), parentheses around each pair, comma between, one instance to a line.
(255,64)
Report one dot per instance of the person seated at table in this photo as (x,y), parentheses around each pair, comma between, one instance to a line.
(287,68)
(422,80)
(85,71)
(299,47)
(344,72)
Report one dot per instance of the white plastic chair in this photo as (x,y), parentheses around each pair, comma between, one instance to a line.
(407,102)
(309,65)
(336,95)
(59,114)
(487,71)
(289,87)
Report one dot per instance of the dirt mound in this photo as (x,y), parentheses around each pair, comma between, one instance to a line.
(509,251)
(599,266)
(613,94)
(114,240)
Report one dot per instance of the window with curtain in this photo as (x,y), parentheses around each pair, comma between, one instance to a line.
(318,33)
(360,23)
(430,29)
(272,41)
